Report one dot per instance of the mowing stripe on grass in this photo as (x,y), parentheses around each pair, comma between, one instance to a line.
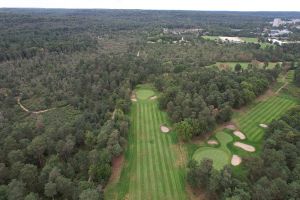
(161,171)
(263,112)
(166,157)
(262,108)
(148,156)
(262,118)
(152,171)
(257,137)
(173,157)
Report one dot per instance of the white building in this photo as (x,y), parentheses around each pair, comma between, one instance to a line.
(275,41)
(277,22)
(275,33)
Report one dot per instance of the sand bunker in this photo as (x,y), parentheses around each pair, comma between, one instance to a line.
(133,97)
(231,127)
(212,142)
(164,129)
(236,160)
(239,134)
(153,97)
(245,147)
(263,125)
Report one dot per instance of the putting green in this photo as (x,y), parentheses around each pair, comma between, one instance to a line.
(220,158)
(144,93)
(220,155)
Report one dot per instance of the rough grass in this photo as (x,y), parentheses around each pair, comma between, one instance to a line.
(150,171)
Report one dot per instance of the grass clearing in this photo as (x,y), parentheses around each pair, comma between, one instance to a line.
(207,37)
(149,171)
(231,65)
(249,39)
(254,40)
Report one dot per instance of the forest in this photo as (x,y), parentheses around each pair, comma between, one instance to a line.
(66,80)
(199,99)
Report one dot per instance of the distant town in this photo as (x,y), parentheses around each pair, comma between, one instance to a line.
(276,32)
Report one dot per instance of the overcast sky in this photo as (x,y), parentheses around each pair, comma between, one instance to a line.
(236,5)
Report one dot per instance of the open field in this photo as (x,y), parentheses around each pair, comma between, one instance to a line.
(248,123)
(249,39)
(231,65)
(207,37)
(151,170)
(244,39)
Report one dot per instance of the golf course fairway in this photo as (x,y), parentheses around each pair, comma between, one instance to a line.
(151,170)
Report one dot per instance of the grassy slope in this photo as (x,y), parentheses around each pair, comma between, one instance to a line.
(150,170)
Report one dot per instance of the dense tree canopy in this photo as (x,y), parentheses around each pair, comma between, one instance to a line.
(203,97)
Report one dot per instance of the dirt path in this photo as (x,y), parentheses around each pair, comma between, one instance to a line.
(284,85)
(117,165)
(34,112)
(113,115)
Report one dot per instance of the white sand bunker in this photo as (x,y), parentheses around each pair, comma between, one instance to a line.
(212,142)
(164,129)
(236,160)
(153,97)
(263,125)
(133,97)
(239,134)
(245,147)
(231,127)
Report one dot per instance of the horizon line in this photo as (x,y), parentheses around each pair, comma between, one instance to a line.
(149,9)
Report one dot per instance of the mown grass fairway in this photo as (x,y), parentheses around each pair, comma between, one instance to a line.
(263,113)
(151,169)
